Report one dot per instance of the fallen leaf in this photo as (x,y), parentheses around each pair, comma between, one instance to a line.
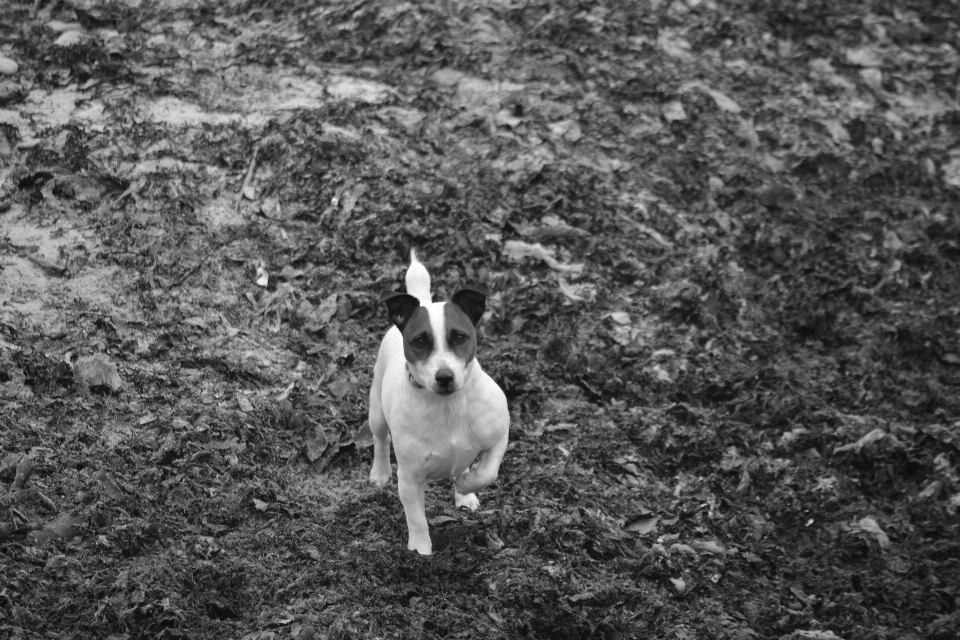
(949,358)
(316,444)
(244,403)
(8,67)
(674,46)
(570,292)
(836,129)
(710,546)
(350,199)
(517,250)
(566,129)
(642,524)
(620,317)
(59,26)
(951,172)
(813,635)
(930,491)
(870,525)
(685,549)
(325,310)
(673,111)
(263,278)
(873,78)
(68,39)
(725,102)
(679,585)
(260,505)
(98,371)
(363,438)
(864,57)
(874,436)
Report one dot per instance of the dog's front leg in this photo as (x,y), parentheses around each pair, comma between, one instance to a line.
(412,496)
(483,474)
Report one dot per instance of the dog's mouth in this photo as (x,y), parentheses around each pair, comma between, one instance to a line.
(445,391)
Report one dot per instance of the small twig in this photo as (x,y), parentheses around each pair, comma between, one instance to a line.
(19,497)
(249,177)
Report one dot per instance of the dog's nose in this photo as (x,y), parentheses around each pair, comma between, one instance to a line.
(444,378)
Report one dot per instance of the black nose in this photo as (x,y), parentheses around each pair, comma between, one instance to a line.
(444,377)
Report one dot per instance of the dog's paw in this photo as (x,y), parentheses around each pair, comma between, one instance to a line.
(423,547)
(379,477)
(470,500)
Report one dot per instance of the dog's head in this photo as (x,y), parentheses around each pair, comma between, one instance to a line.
(440,339)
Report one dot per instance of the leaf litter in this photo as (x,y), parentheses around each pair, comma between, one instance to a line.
(725,290)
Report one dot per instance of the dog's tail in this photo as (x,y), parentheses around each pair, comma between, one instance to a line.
(418,280)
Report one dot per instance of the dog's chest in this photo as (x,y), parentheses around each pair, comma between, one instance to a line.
(444,438)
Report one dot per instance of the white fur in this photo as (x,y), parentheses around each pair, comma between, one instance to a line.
(434,436)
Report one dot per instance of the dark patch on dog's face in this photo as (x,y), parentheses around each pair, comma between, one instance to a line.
(460,336)
(418,339)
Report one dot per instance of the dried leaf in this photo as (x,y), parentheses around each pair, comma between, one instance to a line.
(874,436)
(864,57)
(673,111)
(870,525)
(570,292)
(620,317)
(642,524)
(710,546)
(244,403)
(98,371)
(351,197)
(517,250)
(685,549)
(263,278)
(317,443)
(725,102)
(679,585)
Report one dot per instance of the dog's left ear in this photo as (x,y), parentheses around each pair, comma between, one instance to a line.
(473,301)
(400,306)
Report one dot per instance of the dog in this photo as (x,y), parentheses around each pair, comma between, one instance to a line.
(430,395)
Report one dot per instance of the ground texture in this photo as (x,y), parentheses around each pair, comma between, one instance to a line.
(724,240)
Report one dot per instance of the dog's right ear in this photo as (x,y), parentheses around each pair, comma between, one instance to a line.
(400,306)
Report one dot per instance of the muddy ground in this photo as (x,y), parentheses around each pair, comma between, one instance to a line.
(723,238)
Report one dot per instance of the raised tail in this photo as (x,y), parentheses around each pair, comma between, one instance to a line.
(418,280)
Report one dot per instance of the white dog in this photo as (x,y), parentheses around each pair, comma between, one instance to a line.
(430,394)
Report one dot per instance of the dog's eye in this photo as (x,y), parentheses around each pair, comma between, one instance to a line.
(458,338)
(420,342)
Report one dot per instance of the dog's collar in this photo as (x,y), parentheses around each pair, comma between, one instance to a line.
(415,384)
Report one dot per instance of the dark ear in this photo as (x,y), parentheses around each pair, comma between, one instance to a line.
(473,301)
(400,306)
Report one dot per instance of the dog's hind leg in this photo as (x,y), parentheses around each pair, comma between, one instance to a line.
(380,471)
